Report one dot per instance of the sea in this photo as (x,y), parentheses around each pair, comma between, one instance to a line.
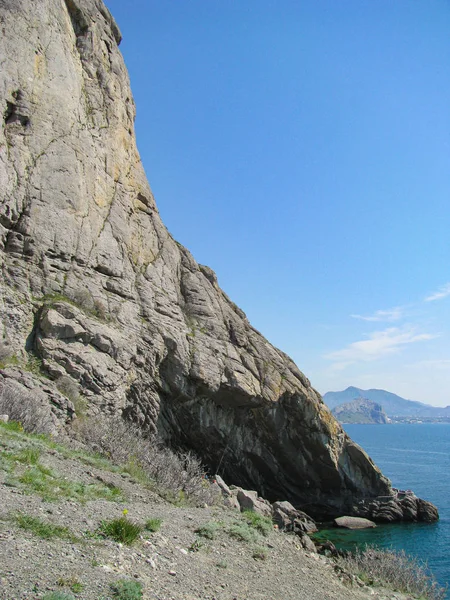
(416,457)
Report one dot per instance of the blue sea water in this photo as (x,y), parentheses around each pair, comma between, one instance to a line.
(415,457)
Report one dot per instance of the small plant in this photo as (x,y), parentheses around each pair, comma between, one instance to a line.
(262,524)
(153,525)
(136,470)
(126,589)
(33,364)
(121,530)
(208,530)
(196,545)
(242,532)
(57,596)
(222,564)
(42,529)
(29,456)
(72,583)
(260,553)
(12,426)
(50,486)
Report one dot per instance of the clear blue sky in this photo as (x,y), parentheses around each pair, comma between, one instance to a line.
(302,150)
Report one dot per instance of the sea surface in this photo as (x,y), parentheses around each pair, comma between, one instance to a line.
(415,457)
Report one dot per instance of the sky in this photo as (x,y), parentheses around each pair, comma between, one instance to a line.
(301,149)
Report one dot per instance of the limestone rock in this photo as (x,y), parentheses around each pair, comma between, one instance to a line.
(289,518)
(94,286)
(354,523)
(426,511)
(307,543)
(401,506)
(225,490)
(249,500)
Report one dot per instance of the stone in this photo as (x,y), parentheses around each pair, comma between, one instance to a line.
(249,500)
(223,486)
(426,511)
(4,418)
(307,543)
(354,523)
(95,287)
(289,518)
(400,506)
(327,548)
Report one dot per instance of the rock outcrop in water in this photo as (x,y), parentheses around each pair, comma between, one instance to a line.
(94,287)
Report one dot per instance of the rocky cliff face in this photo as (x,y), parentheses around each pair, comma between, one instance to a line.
(94,287)
(360,410)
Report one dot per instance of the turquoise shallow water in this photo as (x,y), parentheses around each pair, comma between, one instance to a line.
(414,457)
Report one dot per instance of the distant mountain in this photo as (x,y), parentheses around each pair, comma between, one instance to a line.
(360,411)
(393,405)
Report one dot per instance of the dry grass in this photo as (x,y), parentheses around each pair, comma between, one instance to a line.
(393,569)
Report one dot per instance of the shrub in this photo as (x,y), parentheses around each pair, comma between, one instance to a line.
(208,530)
(394,569)
(33,364)
(121,530)
(68,387)
(126,589)
(262,524)
(153,525)
(22,407)
(242,532)
(178,476)
(259,553)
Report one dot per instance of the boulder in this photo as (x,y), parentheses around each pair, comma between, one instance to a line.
(426,511)
(223,486)
(249,500)
(306,542)
(354,523)
(289,518)
(327,548)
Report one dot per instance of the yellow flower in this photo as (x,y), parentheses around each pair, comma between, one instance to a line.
(125,512)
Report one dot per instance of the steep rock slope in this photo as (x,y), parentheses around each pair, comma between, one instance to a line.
(95,287)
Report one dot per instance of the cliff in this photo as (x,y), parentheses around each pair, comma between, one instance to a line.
(360,410)
(94,287)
